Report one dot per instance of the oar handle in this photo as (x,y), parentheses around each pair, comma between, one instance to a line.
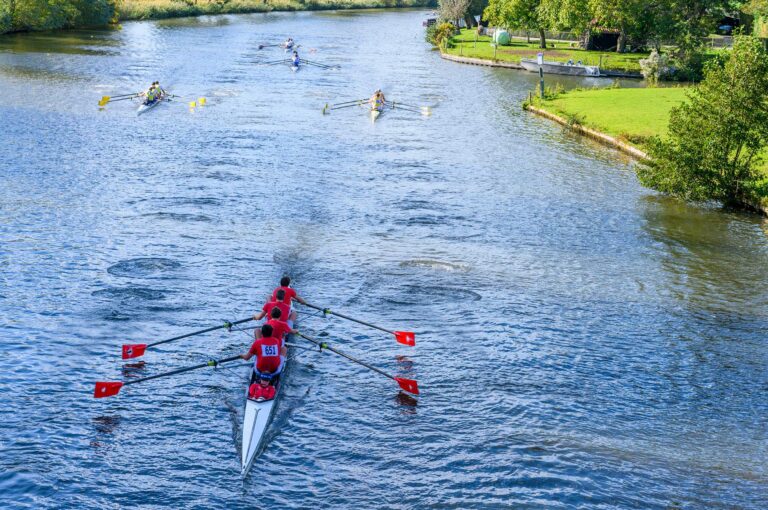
(209,363)
(213,328)
(328,311)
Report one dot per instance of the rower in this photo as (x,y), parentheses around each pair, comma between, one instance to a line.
(280,328)
(270,356)
(285,309)
(377,100)
(159,89)
(288,43)
(295,59)
(290,294)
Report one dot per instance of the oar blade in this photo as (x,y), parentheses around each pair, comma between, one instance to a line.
(107,389)
(131,351)
(409,385)
(406,338)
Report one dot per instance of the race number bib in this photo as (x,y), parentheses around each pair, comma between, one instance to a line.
(269,350)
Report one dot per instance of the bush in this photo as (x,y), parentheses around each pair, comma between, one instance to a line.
(654,67)
(439,33)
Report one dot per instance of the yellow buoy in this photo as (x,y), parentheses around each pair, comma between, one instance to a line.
(201,101)
(192,104)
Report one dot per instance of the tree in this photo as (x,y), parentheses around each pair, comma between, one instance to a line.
(453,10)
(524,14)
(16,15)
(715,138)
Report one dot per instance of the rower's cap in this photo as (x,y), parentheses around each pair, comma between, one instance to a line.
(265,376)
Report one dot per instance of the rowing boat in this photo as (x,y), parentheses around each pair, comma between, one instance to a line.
(256,418)
(145,107)
(375,112)
(294,67)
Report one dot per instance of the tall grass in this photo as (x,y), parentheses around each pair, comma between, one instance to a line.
(148,9)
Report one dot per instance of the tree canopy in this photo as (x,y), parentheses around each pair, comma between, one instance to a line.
(16,15)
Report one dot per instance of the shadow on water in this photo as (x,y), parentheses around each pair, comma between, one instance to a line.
(716,260)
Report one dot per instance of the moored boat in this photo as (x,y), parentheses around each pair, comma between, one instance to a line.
(560,68)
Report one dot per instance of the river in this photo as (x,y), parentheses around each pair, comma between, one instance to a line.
(582,342)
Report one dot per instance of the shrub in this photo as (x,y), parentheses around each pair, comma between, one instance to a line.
(654,67)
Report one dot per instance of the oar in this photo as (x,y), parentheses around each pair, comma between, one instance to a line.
(135,350)
(409,385)
(106,99)
(402,337)
(318,64)
(349,102)
(426,110)
(108,389)
(281,61)
(261,46)
(327,108)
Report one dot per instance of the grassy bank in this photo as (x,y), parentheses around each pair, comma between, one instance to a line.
(465,44)
(153,9)
(630,115)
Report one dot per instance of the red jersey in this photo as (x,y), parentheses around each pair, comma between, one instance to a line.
(267,351)
(285,310)
(279,328)
(289,294)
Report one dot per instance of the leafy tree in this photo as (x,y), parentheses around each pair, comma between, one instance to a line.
(52,14)
(715,138)
(523,14)
(453,10)
(572,15)
(6,16)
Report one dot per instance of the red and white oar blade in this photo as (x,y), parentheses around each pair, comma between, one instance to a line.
(406,337)
(408,385)
(107,389)
(133,350)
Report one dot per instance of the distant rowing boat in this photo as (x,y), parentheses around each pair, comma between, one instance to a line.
(560,68)
(145,106)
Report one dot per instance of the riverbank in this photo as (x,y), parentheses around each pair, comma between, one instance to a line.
(152,9)
(624,119)
(128,10)
(467,44)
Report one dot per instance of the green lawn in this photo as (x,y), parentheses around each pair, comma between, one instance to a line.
(465,45)
(632,114)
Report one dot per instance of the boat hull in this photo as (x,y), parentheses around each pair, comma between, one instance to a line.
(256,419)
(145,107)
(560,68)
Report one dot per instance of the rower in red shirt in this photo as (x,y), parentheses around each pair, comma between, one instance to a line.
(269,352)
(285,309)
(290,294)
(280,328)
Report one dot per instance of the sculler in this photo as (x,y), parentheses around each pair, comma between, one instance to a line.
(377,100)
(290,293)
(288,44)
(295,60)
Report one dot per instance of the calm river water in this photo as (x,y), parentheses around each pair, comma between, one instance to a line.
(582,341)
